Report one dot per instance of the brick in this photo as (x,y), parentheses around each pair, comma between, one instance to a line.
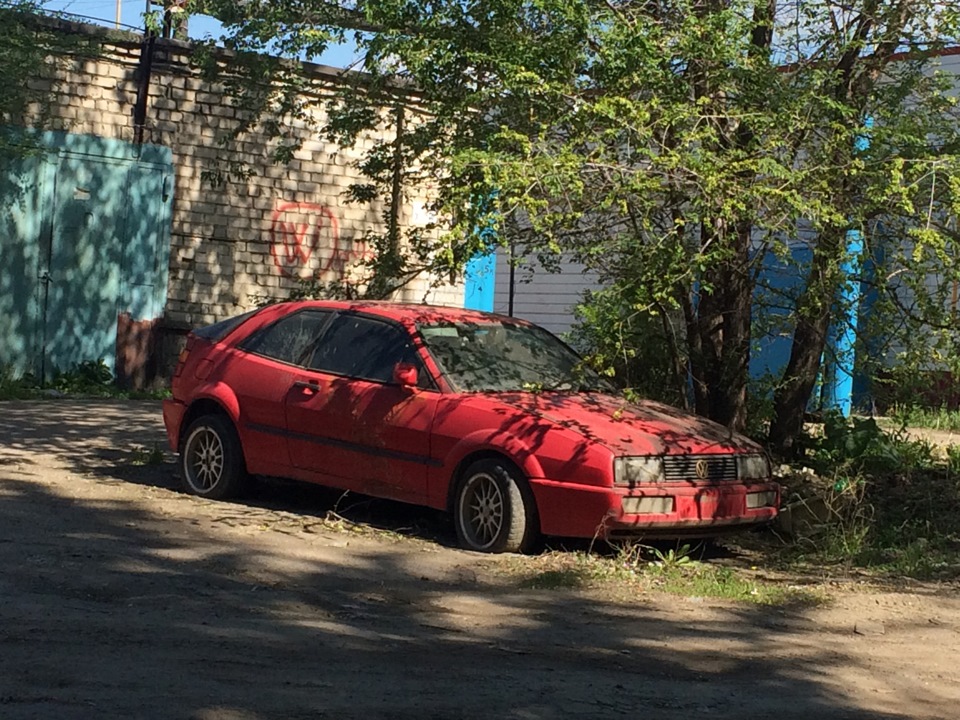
(221,237)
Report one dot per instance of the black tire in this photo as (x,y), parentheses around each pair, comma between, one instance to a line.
(493,509)
(211,459)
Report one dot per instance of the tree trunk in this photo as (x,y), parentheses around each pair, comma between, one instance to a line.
(701,396)
(814,311)
(678,364)
(719,336)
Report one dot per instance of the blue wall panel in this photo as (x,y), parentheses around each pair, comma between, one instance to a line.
(479,278)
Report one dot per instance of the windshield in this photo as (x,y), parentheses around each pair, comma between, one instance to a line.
(501,356)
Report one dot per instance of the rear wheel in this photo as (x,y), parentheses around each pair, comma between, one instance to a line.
(211,459)
(493,512)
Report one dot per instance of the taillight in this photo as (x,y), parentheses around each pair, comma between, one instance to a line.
(182,359)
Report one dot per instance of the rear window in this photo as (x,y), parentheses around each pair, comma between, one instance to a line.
(218,331)
(288,339)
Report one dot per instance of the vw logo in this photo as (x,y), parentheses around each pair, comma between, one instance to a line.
(701,469)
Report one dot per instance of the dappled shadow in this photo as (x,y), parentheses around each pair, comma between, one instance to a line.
(110,439)
(252,628)
(122,606)
(81,433)
(328,503)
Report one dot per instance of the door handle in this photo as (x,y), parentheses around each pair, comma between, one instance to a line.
(308,388)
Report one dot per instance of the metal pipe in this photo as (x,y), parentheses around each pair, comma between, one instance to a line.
(512,291)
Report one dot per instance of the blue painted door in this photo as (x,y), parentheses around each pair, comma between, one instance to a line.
(84,238)
(146,240)
(83,263)
(23,185)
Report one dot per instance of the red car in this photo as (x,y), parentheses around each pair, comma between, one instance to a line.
(488,417)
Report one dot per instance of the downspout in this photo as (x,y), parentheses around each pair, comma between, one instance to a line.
(397,189)
(513,286)
(144,71)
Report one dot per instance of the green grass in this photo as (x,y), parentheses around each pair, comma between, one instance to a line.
(630,571)
(86,379)
(712,581)
(930,418)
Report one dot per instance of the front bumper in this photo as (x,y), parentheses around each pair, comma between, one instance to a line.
(663,510)
(173,412)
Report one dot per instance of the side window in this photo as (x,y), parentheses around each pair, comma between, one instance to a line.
(288,339)
(364,348)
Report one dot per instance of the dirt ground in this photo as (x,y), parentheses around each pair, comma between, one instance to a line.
(121,597)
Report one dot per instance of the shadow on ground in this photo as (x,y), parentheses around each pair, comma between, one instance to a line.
(112,608)
(110,439)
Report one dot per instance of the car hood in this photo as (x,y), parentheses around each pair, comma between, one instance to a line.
(631,428)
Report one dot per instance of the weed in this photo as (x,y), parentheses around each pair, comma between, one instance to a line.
(88,378)
(887,502)
(153,456)
(14,386)
(91,377)
(672,558)
(953,459)
(921,417)
(858,445)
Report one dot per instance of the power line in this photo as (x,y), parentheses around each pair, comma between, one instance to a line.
(66,15)
(99,20)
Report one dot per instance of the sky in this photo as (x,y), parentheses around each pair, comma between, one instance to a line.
(104,12)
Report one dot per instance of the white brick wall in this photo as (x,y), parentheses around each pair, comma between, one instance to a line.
(251,237)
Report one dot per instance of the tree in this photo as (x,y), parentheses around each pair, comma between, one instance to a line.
(669,145)
(32,49)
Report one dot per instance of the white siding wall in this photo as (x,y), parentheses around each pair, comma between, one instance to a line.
(951,64)
(542,297)
(934,282)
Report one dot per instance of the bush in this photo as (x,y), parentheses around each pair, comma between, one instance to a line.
(884,500)
(630,347)
(91,377)
(14,386)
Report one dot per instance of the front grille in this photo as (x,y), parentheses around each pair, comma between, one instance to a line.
(718,468)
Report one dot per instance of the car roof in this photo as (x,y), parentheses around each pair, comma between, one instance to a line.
(405,312)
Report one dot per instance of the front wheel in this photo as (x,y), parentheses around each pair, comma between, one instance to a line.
(492,512)
(211,459)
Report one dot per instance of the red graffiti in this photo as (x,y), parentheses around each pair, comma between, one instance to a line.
(304,237)
(298,232)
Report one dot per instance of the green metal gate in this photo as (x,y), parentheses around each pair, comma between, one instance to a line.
(84,240)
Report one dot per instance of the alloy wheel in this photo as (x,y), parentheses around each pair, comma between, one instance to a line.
(482,510)
(204,460)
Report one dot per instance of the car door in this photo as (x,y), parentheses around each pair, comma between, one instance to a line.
(351,418)
(261,371)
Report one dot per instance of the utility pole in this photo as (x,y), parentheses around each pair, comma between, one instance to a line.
(174,18)
(119,12)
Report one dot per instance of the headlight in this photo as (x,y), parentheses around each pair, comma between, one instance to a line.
(753,467)
(637,470)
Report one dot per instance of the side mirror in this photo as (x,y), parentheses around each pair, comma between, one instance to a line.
(405,374)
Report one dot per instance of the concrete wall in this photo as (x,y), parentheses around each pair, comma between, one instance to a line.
(249,238)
